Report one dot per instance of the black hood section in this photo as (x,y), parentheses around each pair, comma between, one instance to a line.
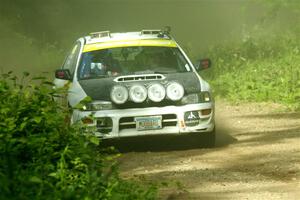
(99,89)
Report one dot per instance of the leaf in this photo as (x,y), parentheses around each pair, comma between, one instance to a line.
(26,74)
(94,140)
(14,78)
(37,119)
(53,174)
(35,179)
(87,99)
(39,78)
(48,83)
(79,106)
(23,140)
(5,76)
(23,125)
(165,184)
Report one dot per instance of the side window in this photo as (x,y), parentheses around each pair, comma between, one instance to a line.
(71,60)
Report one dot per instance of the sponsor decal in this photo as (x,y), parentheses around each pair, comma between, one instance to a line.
(191,118)
(129,43)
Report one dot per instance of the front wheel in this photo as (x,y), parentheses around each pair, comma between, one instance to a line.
(209,139)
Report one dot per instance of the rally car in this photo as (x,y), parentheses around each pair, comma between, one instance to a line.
(138,83)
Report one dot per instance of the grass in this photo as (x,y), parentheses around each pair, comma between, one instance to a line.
(257,69)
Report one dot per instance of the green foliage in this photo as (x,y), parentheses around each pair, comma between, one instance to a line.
(258,69)
(41,157)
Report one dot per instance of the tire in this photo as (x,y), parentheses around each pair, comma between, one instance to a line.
(209,139)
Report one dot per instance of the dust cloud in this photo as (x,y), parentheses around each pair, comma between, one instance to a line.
(35,35)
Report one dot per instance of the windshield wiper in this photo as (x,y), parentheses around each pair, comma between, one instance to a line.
(164,72)
(94,77)
(167,71)
(144,72)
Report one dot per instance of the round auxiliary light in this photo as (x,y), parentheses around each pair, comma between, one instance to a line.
(119,94)
(156,92)
(138,93)
(175,91)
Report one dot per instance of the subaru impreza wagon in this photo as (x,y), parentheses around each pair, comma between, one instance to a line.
(139,83)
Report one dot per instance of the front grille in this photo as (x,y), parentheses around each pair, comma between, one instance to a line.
(129,123)
(147,104)
(169,120)
(126,123)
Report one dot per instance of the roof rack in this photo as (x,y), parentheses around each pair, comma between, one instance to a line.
(165,32)
(150,32)
(160,33)
(100,34)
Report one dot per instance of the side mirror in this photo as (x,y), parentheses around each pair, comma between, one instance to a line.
(63,74)
(203,64)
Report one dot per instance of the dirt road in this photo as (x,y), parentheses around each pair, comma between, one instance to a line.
(257,157)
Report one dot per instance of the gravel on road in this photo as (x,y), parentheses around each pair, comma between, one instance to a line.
(257,156)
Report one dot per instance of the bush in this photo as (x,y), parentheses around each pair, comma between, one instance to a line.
(41,157)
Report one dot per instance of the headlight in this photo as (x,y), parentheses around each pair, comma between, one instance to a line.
(138,93)
(97,105)
(190,99)
(119,94)
(175,91)
(156,92)
(204,97)
(201,97)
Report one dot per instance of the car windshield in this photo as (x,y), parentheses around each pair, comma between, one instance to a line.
(131,60)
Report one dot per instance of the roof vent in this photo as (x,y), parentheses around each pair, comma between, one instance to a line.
(146,77)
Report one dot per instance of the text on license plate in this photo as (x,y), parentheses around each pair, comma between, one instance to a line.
(148,123)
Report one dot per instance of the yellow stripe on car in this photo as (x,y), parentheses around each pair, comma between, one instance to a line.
(129,43)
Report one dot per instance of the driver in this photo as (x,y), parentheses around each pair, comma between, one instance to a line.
(110,65)
(99,62)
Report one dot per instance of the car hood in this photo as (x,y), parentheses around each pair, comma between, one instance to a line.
(99,89)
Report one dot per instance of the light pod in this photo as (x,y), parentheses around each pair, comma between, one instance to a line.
(138,93)
(156,92)
(119,94)
(175,91)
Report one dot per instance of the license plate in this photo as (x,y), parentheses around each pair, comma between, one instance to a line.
(148,123)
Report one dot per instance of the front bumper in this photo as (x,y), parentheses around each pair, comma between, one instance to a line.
(173,120)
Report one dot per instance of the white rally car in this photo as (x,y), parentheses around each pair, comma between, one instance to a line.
(138,83)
